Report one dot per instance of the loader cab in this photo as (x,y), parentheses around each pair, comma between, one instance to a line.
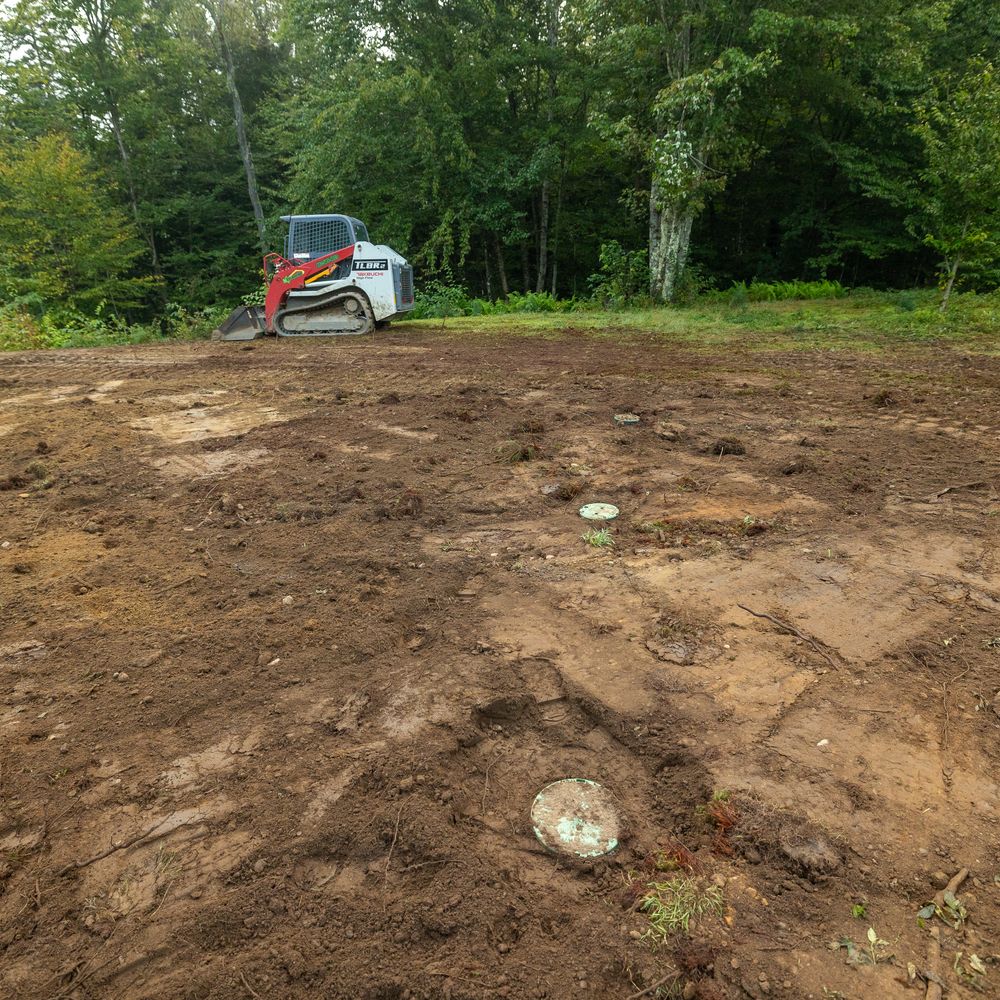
(311,236)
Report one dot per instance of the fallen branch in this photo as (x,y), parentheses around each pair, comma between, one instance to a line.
(153,833)
(392,846)
(951,888)
(784,626)
(930,498)
(486,782)
(249,988)
(934,991)
(655,986)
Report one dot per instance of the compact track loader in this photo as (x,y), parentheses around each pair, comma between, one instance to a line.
(331,282)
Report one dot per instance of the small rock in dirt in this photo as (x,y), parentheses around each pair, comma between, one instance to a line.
(690,990)
(406,785)
(389,398)
(752,855)
(811,851)
(940,879)
(144,660)
(288,600)
(669,431)
(671,652)
(121,676)
(4,545)
(92,528)
(228,503)
(259,865)
(796,467)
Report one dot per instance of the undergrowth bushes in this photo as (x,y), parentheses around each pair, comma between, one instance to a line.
(22,331)
(778,291)
(438,301)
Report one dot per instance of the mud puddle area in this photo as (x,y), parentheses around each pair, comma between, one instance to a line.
(291,637)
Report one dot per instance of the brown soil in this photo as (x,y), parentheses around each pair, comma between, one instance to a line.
(291,635)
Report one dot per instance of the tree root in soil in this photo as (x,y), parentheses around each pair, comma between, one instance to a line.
(818,646)
(934,990)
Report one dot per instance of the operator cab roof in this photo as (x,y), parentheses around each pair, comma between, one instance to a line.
(310,236)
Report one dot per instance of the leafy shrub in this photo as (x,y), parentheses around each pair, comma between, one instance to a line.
(438,301)
(780,291)
(623,278)
(22,331)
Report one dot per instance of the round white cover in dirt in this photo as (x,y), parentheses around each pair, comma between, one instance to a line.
(599,511)
(576,816)
(626,419)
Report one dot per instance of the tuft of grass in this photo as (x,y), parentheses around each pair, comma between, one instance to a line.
(672,904)
(517,451)
(600,538)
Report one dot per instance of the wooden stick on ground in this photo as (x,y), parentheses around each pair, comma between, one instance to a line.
(392,846)
(792,630)
(934,991)
(151,834)
(951,489)
(249,988)
(654,987)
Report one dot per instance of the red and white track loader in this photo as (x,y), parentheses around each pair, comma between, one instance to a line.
(332,281)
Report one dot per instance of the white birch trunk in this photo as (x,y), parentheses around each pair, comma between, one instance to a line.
(669,245)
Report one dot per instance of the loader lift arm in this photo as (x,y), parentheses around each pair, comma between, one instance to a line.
(289,275)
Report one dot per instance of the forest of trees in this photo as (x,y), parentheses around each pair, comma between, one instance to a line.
(148,147)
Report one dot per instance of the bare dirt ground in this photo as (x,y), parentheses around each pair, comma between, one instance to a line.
(292,634)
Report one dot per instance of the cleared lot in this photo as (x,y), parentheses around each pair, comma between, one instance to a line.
(291,635)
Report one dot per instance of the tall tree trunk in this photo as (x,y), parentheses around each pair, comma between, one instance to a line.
(501,266)
(543,236)
(555,235)
(486,271)
(669,244)
(116,129)
(241,131)
(654,239)
(952,273)
(525,267)
(543,222)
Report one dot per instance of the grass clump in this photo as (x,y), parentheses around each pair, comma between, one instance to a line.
(670,905)
(513,451)
(599,538)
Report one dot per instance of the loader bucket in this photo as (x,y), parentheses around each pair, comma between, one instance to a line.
(244,323)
